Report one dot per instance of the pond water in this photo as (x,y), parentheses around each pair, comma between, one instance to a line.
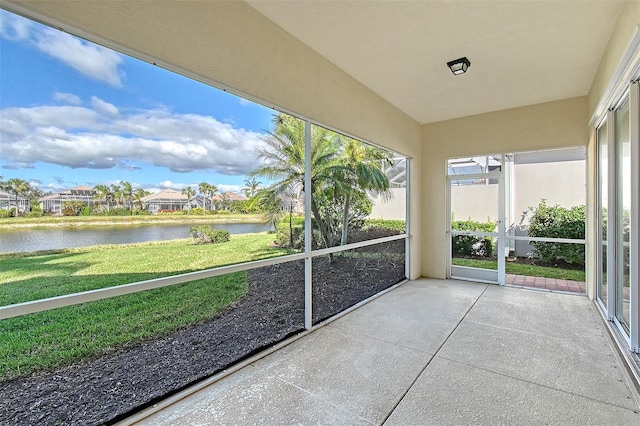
(25,240)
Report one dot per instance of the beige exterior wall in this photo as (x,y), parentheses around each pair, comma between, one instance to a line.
(392,209)
(475,202)
(561,183)
(545,126)
(625,29)
(230,44)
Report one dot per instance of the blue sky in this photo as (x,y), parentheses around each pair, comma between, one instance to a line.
(74,113)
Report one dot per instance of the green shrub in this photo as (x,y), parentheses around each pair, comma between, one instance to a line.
(199,211)
(284,232)
(4,214)
(35,213)
(241,206)
(72,208)
(85,211)
(123,211)
(393,225)
(558,222)
(204,234)
(468,245)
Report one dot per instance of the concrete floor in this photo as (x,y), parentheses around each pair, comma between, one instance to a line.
(433,352)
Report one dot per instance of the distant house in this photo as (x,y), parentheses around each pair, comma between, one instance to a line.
(8,202)
(231,196)
(165,200)
(53,203)
(227,197)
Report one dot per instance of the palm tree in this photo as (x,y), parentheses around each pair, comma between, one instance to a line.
(138,195)
(19,188)
(365,174)
(251,187)
(284,162)
(116,193)
(189,192)
(103,192)
(225,201)
(127,194)
(208,189)
(268,202)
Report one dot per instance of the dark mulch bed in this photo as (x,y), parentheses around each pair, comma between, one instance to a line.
(110,387)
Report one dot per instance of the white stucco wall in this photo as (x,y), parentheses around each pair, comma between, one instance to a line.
(562,183)
(475,202)
(393,209)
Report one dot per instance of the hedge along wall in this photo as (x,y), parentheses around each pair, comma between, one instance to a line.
(558,222)
(467,245)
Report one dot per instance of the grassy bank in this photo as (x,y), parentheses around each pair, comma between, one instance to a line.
(524,269)
(49,339)
(48,221)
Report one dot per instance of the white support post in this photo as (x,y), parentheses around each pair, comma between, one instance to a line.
(612,239)
(308,306)
(509,184)
(502,268)
(634,219)
(407,219)
(448,243)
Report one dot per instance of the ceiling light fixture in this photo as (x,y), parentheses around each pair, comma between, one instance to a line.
(459,66)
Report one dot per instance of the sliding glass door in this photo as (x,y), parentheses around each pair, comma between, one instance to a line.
(622,215)
(603,201)
(618,186)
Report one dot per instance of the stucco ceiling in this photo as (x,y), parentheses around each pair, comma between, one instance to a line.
(521,52)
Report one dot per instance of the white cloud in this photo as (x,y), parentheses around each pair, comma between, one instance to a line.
(13,27)
(91,60)
(104,107)
(67,98)
(229,188)
(167,184)
(79,137)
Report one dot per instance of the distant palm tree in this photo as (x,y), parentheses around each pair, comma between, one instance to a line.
(208,190)
(19,188)
(127,194)
(138,195)
(103,192)
(225,201)
(116,193)
(251,187)
(189,192)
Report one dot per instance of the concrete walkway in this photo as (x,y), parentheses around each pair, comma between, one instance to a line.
(433,352)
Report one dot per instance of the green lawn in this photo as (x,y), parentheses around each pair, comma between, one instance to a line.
(49,339)
(524,269)
(44,221)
